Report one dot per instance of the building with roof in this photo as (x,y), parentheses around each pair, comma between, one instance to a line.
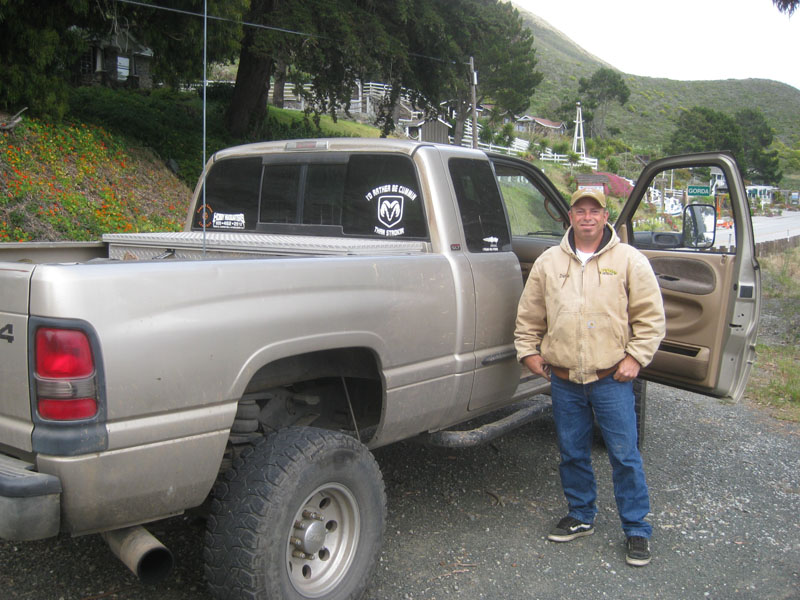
(540,126)
(116,60)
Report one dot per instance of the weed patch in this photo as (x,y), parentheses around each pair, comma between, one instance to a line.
(775,379)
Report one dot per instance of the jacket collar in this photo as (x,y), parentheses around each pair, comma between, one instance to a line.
(609,236)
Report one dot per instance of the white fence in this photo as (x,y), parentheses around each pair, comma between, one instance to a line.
(363,101)
(563,159)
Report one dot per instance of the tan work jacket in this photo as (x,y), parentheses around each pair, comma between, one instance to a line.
(585,318)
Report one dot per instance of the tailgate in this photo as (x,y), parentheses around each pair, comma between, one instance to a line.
(15,404)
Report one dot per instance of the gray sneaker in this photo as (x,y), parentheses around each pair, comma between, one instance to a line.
(637,551)
(568,529)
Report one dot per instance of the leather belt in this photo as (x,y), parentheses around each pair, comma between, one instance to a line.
(563,373)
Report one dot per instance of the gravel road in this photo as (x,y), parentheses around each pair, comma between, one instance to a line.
(471,523)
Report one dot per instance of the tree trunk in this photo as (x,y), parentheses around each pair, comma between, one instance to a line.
(462,114)
(280,83)
(458,132)
(248,106)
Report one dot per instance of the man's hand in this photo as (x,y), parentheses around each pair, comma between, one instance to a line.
(537,366)
(627,369)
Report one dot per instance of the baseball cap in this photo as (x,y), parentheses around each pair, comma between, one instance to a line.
(594,194)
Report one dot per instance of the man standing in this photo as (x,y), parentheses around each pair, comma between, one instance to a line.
(590,317)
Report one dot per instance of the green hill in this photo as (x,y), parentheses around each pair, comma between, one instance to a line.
(648,118)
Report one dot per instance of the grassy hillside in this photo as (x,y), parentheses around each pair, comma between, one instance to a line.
(648,118)
(104,170)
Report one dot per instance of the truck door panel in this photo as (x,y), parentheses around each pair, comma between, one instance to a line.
(537,214)
(496,279)
(706,269)
(692,300)
(528,249)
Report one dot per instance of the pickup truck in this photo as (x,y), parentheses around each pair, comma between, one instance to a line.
(326,298)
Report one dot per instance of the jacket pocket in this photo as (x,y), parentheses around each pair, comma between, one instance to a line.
(603,341)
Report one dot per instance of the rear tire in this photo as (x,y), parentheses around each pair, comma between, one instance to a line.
(300,515)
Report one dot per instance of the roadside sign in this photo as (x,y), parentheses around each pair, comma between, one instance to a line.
(699,190)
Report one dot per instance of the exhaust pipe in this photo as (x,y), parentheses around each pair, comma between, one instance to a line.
(142,553)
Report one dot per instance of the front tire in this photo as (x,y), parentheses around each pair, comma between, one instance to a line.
(300,515)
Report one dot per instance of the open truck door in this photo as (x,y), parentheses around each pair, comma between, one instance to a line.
(690,216)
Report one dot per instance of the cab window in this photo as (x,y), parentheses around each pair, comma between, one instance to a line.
(686,210)
(482,214)
(530,212)
(231,196)
(332,194)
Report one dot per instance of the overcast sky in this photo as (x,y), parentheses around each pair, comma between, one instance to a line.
(682,39)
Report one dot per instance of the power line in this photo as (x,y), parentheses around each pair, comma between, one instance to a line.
(259,26)
(215,18)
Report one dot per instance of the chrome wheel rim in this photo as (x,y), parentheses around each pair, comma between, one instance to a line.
(323,539)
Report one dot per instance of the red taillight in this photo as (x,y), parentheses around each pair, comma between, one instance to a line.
(62,353)
(67,410)
(65,375)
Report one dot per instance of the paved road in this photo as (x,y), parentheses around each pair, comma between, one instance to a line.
(471,524)
(765,229)
(775,228)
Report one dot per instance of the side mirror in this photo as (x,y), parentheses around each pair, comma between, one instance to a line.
(699,226)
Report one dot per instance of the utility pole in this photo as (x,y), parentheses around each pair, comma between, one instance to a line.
(474,76)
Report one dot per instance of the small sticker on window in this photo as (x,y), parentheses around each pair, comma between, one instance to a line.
(390,201)
(490,244)
(204,215)
(226,221)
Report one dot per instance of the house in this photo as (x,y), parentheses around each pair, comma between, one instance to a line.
(436,130)
(116,60)
(593,181)
(539,126)
(718,183)
(764,194)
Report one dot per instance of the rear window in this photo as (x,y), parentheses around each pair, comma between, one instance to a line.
(365,195)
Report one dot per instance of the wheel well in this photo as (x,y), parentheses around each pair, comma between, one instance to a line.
(339,389)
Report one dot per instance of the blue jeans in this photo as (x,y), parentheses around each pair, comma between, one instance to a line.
(612,403)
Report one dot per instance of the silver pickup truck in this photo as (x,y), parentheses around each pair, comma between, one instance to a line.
(326,297)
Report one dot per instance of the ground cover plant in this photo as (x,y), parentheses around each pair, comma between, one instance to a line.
(77,181)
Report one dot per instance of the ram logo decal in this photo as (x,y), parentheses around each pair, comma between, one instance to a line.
(390,210)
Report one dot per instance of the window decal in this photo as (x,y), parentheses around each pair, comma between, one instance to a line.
(491,244)
(225,221)
(390,205)
(205,215)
